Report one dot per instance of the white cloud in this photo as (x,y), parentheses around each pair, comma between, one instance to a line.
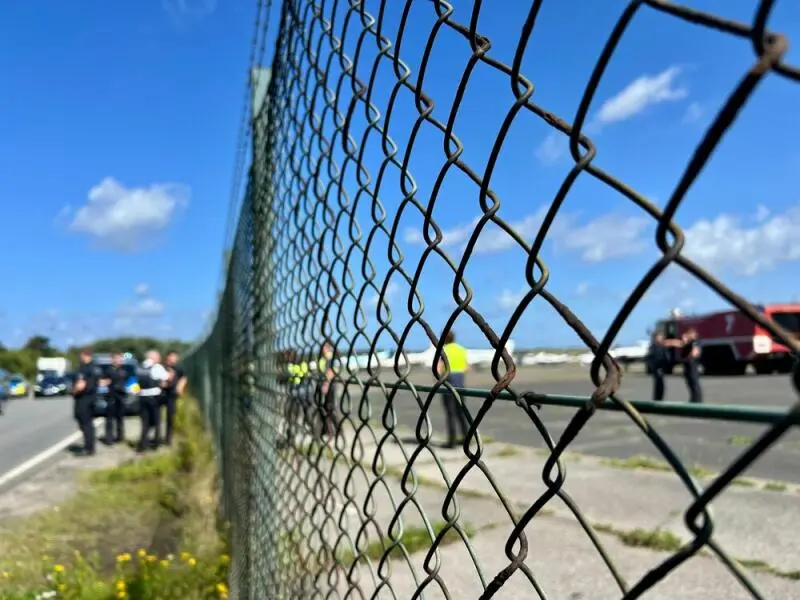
(451,237)
(509,299)
(694,113)
(142,306)
(642,92)
(492,238)
(726,243)
(552,148)
(391,292)
(582,288)
(605,237)
(189,9)
(122,218)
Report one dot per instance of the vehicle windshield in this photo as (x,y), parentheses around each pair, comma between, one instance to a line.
(48,374)
(52,380)
(15,380)
(790,321)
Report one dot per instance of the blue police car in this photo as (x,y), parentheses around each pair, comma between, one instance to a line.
(130,364)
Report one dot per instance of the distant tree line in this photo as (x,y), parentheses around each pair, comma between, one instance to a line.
(23,360)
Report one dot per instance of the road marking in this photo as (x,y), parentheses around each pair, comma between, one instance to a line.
(38,459)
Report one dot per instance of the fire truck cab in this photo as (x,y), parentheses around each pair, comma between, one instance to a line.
(730,340)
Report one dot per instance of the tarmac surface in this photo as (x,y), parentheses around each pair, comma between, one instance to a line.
(712,445)
(31,426)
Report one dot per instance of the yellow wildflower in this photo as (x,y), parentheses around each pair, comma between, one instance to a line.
(5,575)
(165,563)
(141,553)
(58,568)
(222,588)
(151,558)
(192,562)
(122,594)
(123,558)
(61,587)
(225,558)
(120,585)
(185,556)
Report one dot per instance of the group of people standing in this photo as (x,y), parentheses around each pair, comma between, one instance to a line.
(160,387)
(684,351)
(310,386)
(311,396)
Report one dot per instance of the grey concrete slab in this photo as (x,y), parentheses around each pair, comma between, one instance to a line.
(710,444)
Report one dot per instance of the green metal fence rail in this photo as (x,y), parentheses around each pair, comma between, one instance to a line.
(307,255)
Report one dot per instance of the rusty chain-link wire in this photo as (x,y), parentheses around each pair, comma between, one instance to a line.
(316,515)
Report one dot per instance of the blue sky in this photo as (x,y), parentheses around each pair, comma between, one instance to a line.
(119,129)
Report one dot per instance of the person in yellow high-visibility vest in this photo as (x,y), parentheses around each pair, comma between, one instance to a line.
(297,375)
(456,369)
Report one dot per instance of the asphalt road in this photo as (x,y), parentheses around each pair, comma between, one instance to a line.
(712,445)
(30,427)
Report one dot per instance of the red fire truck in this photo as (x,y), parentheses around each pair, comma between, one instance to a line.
(730,340)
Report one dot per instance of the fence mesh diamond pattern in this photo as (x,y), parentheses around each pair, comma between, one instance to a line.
(327,495)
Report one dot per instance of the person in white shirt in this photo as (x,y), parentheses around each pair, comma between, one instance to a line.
(153,379)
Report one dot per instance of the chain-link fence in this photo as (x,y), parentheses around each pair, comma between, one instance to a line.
(327,494)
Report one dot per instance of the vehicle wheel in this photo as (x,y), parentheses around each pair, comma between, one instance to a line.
(738,368)
(763,368)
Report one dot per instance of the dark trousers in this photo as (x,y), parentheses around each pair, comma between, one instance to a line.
(148,411)
(454,413)
(84,415)
(658,382)
(115,419)
(168,401)
(297,408)
(327,404)
(691,374)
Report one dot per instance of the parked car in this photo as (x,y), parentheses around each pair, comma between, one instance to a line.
(18,387)
(51,386)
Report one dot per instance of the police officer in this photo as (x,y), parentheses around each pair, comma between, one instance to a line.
(458,365)
(84,393)
(153,379)
(116,377)
(326,375)
(689,357)
(173,391)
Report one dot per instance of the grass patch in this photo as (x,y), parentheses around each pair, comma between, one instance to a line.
(742,482)
(506,451)
(740,440)
(646,463)
(655,539)
(763,567)
(413,540)
(147,509)
(776,486)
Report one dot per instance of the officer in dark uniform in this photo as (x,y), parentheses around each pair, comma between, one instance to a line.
(84,392)
(173,391)
(657,358)
(115,410)
(153,379)
(689,357)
